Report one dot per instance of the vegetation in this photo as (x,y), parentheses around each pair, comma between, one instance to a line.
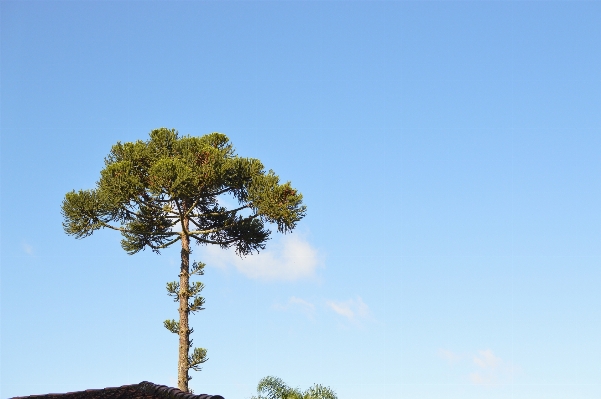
(275,388)
(166,190)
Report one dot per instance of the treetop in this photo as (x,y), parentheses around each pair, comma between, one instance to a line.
(148,188)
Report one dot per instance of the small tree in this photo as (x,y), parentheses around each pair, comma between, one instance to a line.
(167,189)
(275,388)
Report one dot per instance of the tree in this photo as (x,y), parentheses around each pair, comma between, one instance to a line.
(275,388)
(167,189)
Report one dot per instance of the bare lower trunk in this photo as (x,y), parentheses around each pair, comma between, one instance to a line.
(184,331)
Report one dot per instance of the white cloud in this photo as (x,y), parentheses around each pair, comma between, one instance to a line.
(352,309)
(302,303)
(27,248)
(449,356)
(342,308)
(299,304)
(491,369)
(489,363)
(292,258)
(487,360)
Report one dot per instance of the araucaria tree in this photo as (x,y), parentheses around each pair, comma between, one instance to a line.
(167,190)
(275,388)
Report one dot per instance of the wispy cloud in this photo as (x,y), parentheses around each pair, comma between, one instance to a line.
(352,309)
(450,357)
(487,360)
(292,258)
(298,304)
(27,248)
(490,370)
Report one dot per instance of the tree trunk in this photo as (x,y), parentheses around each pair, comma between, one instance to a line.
(184,331)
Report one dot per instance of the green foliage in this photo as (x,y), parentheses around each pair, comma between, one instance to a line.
(275,388)
(318,391)
(198,357)
(198,268)
(147,187)
(193,293)
(85,211)
(172,326)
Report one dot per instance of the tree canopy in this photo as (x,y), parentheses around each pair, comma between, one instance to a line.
(147,187)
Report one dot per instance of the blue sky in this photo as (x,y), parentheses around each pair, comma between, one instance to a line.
(448,153)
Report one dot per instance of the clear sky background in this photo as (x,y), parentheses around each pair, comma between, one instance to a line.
(448,153)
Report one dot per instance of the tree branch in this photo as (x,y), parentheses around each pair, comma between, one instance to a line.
(134,232)
(233,240)
(225,190)
(215,230)
(221,213)
(181,218)
(153,247)
(116,228)
(194,223)
(192,207)
(149,203)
